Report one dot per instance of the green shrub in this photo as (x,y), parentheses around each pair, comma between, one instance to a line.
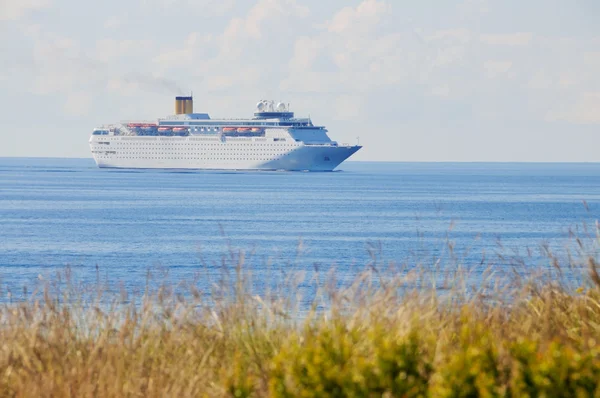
(470,366)
(347,362)
(324,362)
(557,371)
(402,365)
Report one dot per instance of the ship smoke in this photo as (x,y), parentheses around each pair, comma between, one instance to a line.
(159,85)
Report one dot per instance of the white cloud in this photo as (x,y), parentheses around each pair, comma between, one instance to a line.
(113,22)
(31,30)
(350,52)
(245,54)
(496,69)
(540,80)
(512,39)
(567,80)
(78,103)
(474,8)
(135,83)
(109,50)
(592,58)
(306,51)
(348,107)
(201,7)
(584,111)
(16,9)
(449,55)
(360,19)
(266,14)
(193,50)
(441,91)
(265,10)
(58,64)
(461,35)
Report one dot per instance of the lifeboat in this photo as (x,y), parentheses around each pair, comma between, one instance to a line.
(180,128)
(164,129)
(229,129)
(256,130)
(243,129)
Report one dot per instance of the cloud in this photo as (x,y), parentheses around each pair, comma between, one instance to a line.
(592,58)
(17,9)
(352,51)
(348,107)
(512,39)
(246,54)
(495,69)
(271,15)
(266,10)
(113,22)
(441,91)
(306,51)
(474,8)
(194,50)
(78,104)
(59,64)
(134,83)
(461,35)
(540,80)
(359,19)
(62,65)
(200,7)
(109,50)
(584,111)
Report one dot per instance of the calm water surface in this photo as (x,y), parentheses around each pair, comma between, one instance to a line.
(59,212)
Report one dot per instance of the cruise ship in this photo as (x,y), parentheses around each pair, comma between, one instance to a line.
(271,140)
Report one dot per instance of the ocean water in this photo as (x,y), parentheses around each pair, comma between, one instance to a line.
(121,224)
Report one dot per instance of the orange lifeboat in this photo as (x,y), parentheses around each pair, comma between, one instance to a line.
(180,129)
(164,128)
(229,129)
(256,130)
(243,129)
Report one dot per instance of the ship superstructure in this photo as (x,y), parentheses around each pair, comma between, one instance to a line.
(272,140)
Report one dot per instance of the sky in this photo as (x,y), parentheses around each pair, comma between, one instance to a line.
(428,80)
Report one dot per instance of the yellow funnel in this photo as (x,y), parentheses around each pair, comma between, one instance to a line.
(184,105)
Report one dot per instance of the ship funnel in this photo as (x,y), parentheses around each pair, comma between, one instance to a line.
(184,105)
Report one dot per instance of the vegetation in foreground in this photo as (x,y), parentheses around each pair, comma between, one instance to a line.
(379,336)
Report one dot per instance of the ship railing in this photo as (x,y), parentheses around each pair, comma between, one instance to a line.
(126,129)
(115,129)
(332,143)
(139,121)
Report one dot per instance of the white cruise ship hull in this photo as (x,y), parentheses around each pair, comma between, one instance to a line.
(216,153)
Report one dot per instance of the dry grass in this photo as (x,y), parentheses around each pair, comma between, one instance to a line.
(384,334)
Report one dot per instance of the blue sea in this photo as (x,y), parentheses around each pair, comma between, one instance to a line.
(123,224)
